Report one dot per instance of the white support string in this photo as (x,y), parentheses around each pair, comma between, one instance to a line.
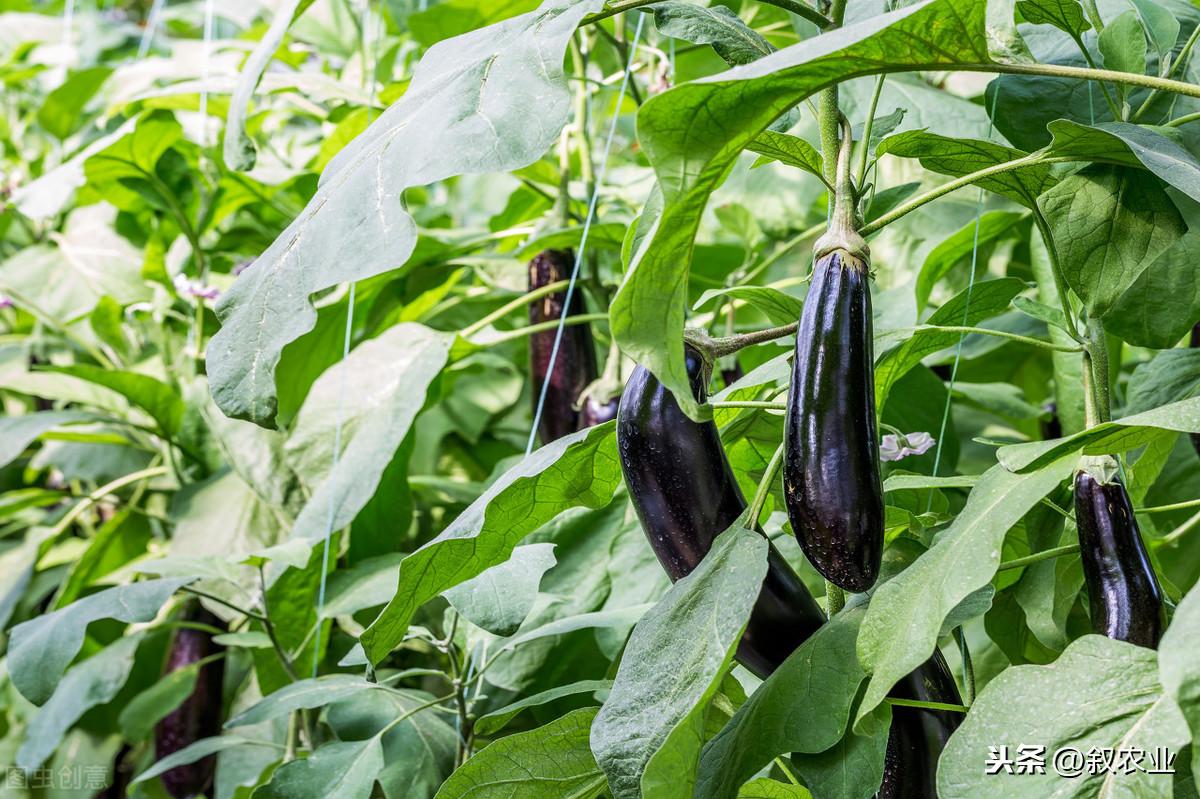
(370,60)
(151,27)
(587,225)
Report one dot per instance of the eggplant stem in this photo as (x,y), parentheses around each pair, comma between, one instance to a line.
(714,348)
(843,228)
(764,487)
(1038,557)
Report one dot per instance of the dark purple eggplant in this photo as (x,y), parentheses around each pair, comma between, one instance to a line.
(1123,593)
(831,479)
(918,736)
(595,412)
(1050,425)
(575,364)
(121,776)
(732,374)
(685,495)
(199,716)
(1196,346)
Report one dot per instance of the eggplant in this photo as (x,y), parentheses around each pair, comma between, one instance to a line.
(685,495)
(595,412)
(199,716)
(918,736)
(1050,425)
(1196,345)
(575,364)
(831,478)
(733,374)
(1124,597)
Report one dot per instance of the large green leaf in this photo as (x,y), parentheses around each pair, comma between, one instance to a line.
(648,734)
(467,110)
(1131,145)
(1100,694)
(1169,376)
(496,720)
(375,394)
(1109,224)
(803,707)
(303,695)
(40,649)
(907,613)
(337,770)
(500,598)
(88,683)
(153,396)
(18,432)
(966,240)
(693,133)
(549,762)
(576,470)
(1177,666)
(1163,303)
(733,40)
(1112,437)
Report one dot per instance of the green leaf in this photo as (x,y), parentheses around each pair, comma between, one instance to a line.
(155,397)
(89,683)
(733,40)
(13,502)
(40,649)
(1100,693)
(152,705)
(648,734)
(1160,23)
(853,767)
(787,149)
(1123,144)
(1112,437)
(115,171)
(576,470)
(496,720)
(120,540)
(1045,313)
(1169,376)
(338,770)
(1123,44)
(198,751)
(454,17)
(1109,224)
(238,148)
(1164,302)
(780,308)
(945,256)
(374,394)
(419,745)
(1066,15)
(985,300)
(724,114)
(500,598)
(770,789)
(1067,366)
(958,157)
(1177,667)
(546,763)
(303,695)
(18,432)
(906,613)
(817,685)
(466,111)
(61,113)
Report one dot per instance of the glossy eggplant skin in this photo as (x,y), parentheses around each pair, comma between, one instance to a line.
(685,495)
(575,365)
(199,716)
(1123,593)
(1196,345)
(831,477)
(917,737)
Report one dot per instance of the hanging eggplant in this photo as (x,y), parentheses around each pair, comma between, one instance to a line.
(1195,346)
(199,716)
(1124,597)
(575,363)
(685,495)
(918,736)
(831,476)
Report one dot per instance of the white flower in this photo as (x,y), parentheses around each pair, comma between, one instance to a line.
(893,447)
(194,288)
(5,301)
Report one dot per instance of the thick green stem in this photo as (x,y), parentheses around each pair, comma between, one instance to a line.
(843,222)
(1060,281)
(1038,557)
(715,348)
(1095,372)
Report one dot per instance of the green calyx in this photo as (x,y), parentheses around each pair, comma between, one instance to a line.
(842,233)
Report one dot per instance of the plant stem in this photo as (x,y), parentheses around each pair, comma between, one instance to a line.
(1191,503)
(797,8)
(1183,120)
(1182,59)
(727,345)
(782,250)
(764,487)
(1180,531)
(509,307)
(787,772)
(926,705)
(835,599)
(1033,342)
(1060,281)
(1096,362)
(1037,557)
(864,153)
(225,603)
(1087,56)
(583,131)
(529,330)
(767,406)
(100,493)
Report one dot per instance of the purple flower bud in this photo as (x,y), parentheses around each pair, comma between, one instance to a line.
(5,301)
(194,288)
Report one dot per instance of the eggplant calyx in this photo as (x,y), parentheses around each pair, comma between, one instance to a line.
(1101,468)
(602,390)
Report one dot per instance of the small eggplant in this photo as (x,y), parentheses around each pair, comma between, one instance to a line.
(1123,593)
(831,477)
(685,495)
(918,736)
(575,364)
(1195,346)
(595,412)
(199,716)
